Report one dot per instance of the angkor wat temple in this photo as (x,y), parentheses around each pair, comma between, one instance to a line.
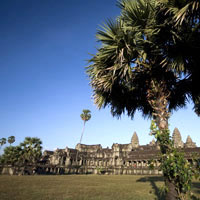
(131,158)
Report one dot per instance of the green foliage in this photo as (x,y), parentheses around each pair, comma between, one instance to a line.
(12,155)
(179,170)
(100,170)
(2,141)
(147,42)
(11,139)
(173,163)
(163,137)
(150,42)
(85,116)
(32,149)
(28,152)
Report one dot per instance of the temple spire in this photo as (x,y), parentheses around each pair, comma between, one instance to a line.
(135,140)
(152,143)
(178,143)
(189,143)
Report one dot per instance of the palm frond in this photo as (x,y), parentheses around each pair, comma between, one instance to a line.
(183,10)
(150,40)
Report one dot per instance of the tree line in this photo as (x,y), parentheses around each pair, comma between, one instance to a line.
(27,152)
(10,140)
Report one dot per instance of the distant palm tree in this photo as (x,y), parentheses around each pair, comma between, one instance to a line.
(11,140)
(32,150)
(2,141)
(25,155)
(85,116)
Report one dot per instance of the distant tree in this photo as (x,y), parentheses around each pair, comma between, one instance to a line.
(85,116)
(31,150)
(12,156)
(27,153)
(11,139)
(2,141)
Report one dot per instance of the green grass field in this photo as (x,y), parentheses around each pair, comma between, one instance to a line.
(83,187)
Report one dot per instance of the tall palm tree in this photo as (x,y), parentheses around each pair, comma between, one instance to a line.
(85,116)
(128,67)
(11,140)
(135,69)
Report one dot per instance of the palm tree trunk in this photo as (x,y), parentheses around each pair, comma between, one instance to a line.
(80,141)
(172,193)
(157,97)
(82,132)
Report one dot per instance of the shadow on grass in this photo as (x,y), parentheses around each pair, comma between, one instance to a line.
(194,198)
(196,188)
(157,190)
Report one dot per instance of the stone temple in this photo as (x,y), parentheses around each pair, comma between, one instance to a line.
(131,158)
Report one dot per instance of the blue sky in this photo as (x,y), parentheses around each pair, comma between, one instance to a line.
(44,48)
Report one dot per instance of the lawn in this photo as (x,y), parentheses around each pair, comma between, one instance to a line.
(83,187)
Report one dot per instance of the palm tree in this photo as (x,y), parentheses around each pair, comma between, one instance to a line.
(135,68)
(2,141)
(27,153)
(32,150)
(85,116)
(11,140)
(12,156)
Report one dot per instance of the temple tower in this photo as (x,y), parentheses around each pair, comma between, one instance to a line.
(135,140)
(189,143)
(178,143)
(152,143)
